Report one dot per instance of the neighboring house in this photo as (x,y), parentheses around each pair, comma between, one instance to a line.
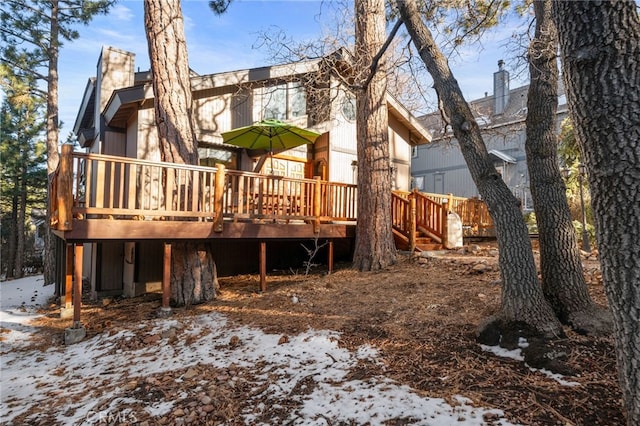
(439,167)
(116,117)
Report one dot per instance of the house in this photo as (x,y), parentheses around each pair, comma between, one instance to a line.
(439,167)
(116,118)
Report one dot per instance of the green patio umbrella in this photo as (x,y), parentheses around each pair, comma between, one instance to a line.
(269,135)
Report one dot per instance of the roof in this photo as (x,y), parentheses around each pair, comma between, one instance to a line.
(503,156)
(84,119)
(483,110)
(124,102)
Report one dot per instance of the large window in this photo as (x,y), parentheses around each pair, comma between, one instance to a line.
(284,101)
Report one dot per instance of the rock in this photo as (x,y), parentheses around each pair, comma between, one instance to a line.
(179,412)
(480,268)
(205,400)
(283,339)
(131,385)
(207,408)
(431,254)
(190,374)
(493,253)
(154,338)
(234,341)
(488,332)
(474,248)
(171,332)
(548,356)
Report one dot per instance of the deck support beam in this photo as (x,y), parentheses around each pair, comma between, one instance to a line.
(68,285)
(76,333)
(218,200)
(166,280)
(263,266)
(66,301)
(330,256)
(77,285)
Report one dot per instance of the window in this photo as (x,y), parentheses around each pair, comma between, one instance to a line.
(418,183)
(414,151)
(284,101)
(275,103)
(349,107)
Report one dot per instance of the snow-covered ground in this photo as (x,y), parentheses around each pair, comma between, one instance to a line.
(19,301)
(100,378)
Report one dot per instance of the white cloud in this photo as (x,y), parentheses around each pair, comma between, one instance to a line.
(119,12)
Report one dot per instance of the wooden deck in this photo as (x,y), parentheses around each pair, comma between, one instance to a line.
(99,197)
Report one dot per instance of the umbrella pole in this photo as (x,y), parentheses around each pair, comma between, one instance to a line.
(271,155)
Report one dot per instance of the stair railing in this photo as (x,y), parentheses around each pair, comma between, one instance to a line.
(413,211)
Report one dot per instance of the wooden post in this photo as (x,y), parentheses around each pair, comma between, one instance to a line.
(412,222)
(65,189)
(444,221)
(218,197)
(68,288)
(166,276)
(77,285)
(263,266)
(330,256)
(317,204)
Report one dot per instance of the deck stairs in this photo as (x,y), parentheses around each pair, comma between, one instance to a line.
(422,242)
(418,223)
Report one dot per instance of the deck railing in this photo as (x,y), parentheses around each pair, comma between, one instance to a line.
(473,212)
(427,213)
(414,211)
(89,186)
(252,195)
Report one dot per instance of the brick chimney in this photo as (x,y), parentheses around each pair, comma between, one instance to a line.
(500,89)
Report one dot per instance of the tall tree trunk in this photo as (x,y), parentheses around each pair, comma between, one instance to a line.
(600,52)
(522,297)
(375,247)
(13,231)
(49,257)
(193,277)
(21,218)
(563,280)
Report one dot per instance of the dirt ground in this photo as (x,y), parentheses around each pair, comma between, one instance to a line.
(421,314)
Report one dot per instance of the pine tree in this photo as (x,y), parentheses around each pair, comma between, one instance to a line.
(522,299)
(375,248)
(32,32)
(21,150)
(563,280)
(193,273)
(600,53)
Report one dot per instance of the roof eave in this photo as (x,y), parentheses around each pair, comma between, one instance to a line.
(419,134)
(85,104)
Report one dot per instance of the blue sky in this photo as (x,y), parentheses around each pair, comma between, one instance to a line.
(230,42)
